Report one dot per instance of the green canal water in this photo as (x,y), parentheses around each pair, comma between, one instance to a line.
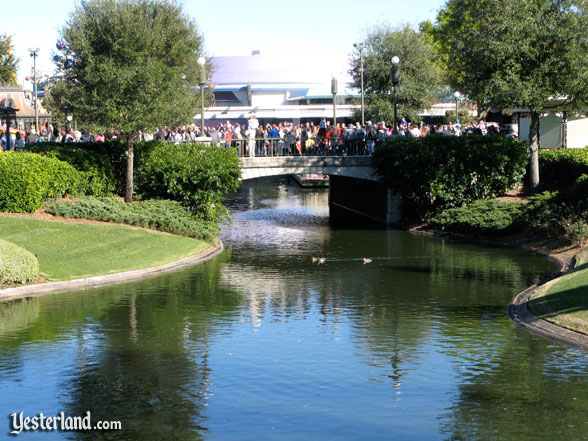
(263,344)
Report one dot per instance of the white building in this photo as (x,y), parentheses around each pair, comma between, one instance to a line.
(275,89)
(556,132)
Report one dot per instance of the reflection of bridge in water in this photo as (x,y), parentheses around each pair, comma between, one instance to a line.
(355,190)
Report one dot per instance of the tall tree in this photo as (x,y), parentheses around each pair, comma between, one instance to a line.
(520,53)
(419,74)
(128,65)
(8,62)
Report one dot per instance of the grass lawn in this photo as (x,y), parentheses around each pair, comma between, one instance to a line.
(565,301)
(70,251)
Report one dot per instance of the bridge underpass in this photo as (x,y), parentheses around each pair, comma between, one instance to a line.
(356,194)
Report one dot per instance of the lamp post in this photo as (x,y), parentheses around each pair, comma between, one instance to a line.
(202,62)
(395,63)
(361,47)
(334,92)
(34,53)
(456,95)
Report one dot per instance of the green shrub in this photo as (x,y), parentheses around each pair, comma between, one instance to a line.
(560,168)
(102,164)
(162,215)
(437,172)
(576,233)
(490,217)
(17,266)
(196,175)
(552,215)
(29,179)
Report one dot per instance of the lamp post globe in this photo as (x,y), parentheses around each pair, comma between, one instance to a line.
(395,80)
(456,95)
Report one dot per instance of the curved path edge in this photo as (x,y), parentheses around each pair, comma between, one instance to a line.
(519,313)
(41,289)
(518,310)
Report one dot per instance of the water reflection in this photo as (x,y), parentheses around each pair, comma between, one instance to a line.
(262,343)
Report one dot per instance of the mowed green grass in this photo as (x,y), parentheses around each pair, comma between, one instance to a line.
(70,251)
(565,302)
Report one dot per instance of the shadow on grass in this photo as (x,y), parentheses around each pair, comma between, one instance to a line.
(564,302)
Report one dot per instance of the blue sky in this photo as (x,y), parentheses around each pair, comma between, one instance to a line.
(314,32)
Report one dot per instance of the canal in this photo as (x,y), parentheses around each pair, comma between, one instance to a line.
(262,343)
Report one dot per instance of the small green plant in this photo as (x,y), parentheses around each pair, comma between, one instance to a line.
(29,179)
(489,217)
(102,164)
(17,265)
(162,215)
(196,175)
(560,168)
(577,233)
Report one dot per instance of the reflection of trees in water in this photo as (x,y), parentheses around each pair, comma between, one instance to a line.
(17,314)
(142,350)
(526,391)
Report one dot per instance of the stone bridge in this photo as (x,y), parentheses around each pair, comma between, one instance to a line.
(350,166)
(356,194)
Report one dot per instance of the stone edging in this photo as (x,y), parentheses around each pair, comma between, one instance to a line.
(41,289)
(519,313)
(518,310)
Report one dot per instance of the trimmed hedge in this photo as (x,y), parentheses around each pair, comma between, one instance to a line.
(29,179)
(102,164)
(490,217)
(560,168)
(17,265)
(196,175)
(437,172)
(169,216)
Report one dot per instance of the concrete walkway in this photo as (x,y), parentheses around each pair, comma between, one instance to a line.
(41,289)
(518,311)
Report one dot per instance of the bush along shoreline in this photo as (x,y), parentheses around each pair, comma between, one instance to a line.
(180,188)
(453,184)
(17,265)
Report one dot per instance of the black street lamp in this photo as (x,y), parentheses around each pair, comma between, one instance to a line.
(361,47)
(334,92)
(202,62)
(395,81)
(456,95)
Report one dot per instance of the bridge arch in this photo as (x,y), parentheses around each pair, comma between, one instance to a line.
(349,166)
(355,191)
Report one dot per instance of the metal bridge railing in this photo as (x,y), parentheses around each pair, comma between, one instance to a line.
(315,146)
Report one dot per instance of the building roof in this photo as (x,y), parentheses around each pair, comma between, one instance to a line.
(20,102)
(261,69)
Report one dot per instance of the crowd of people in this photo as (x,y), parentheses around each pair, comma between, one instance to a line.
(257,139)
(285,138)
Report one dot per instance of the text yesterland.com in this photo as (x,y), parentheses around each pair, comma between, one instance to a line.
(61,422)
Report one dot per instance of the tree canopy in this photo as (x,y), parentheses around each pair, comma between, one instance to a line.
(419,74)
(519,53)
(128,65)
(8,62)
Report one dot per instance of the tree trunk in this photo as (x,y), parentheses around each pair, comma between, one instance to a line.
(130,159)
(534,150)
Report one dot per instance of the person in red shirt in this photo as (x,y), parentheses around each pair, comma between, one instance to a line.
(228,138)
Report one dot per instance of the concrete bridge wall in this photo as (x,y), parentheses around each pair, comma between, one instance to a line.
(356,194)
(350,166)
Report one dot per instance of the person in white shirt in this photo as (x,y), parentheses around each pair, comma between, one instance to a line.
(252,126)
